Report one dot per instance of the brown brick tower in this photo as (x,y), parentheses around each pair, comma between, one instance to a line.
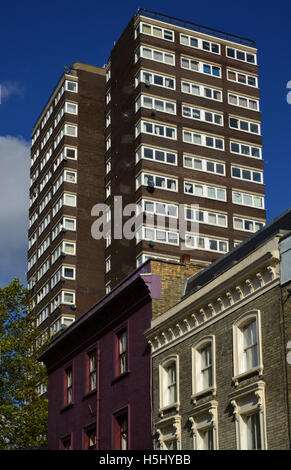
(65,264)
(182,127)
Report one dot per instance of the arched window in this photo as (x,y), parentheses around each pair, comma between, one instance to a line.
(203,367)
(247,351)
(169,386)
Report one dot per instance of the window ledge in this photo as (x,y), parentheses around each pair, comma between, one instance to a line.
(120,377)
(66,407)
(173,406)
(89,394)
(248,373)
(202,393)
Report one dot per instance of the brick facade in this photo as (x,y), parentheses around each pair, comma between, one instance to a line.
(212,312)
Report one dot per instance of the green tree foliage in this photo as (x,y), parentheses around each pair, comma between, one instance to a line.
(23,413)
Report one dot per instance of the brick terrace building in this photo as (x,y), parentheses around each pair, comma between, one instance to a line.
(221,358)
(99,389)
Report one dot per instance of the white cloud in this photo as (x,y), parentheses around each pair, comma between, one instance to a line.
(8,89)
(14,203)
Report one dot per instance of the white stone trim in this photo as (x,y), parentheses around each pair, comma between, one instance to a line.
(173,358)
(208,409)
(243,319)
(243,407)
(160,428)
(215,308)
(196,392)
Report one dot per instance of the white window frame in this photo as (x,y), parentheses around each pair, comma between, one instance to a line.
(202,139)
(201,66)
(108,120)
(65,218)
(204,419)
(43,246)
(164,403)
(43,268)
(204,164)
(246,121)
(46,158)
(47,116)
(140,54)
(205,189)
(72,293)
(140,154)
(107,190)
(57,324)
(245,144)
(245,402)
(252,172)
(247,98)
(168,181)
(195,216)
(167,208)
(108,143)
(153,234)
(141,129)
(243,221)
(247,76)
(44,223)
(67,82)
(202,90)
(43,315)
(168,433)
(70,278)
(108,264)
(202,115)
(193,241)
(43,292)
(64,155)
(237,51)
(108,166)
(141,103)
(74,108)
(197,387)
(239,369)
(35,136)
(140,78)
(200,44)
(164,31)
(253,197)
(108,97)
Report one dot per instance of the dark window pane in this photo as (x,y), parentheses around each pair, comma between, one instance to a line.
(148,153)
(230,52)
(241,55)
(206,69)
(193,42)
(236,172)
(158,80)
(235,147)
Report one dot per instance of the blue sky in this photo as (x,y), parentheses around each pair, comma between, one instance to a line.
(38,39)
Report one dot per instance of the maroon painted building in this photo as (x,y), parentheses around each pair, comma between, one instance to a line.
(99,380)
